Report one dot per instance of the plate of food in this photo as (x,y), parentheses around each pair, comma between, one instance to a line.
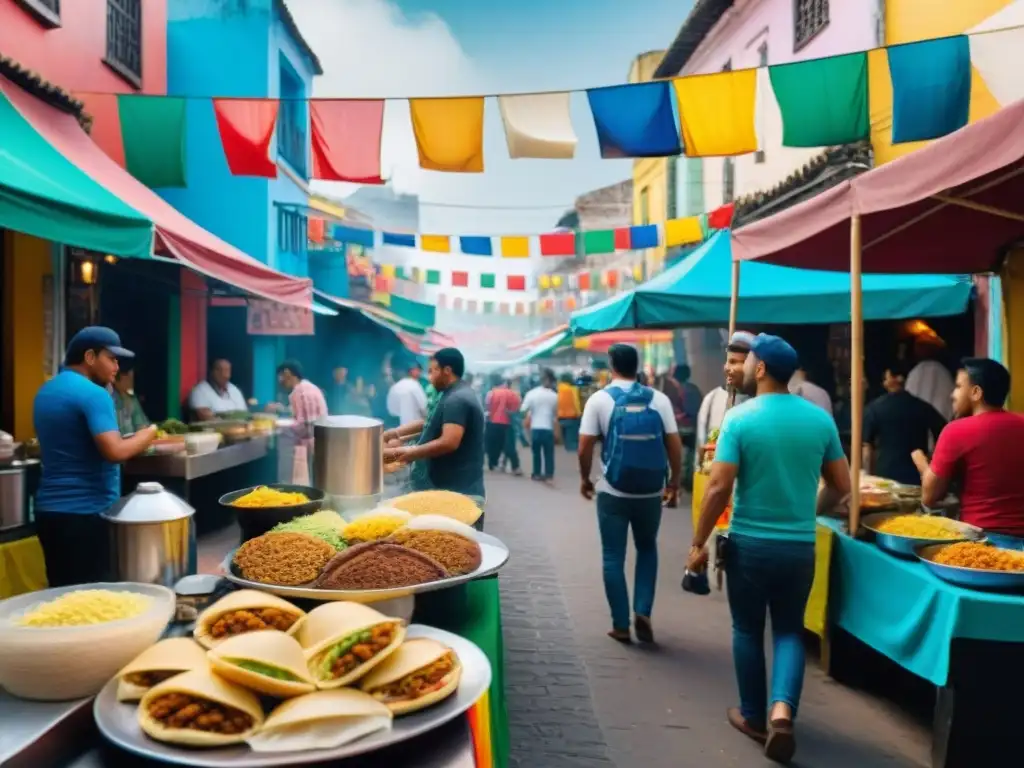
(267,698)
(975,565)
(901,534)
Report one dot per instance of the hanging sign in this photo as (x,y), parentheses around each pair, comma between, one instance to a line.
(268,318)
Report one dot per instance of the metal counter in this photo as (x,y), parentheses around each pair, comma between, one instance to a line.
(184,467)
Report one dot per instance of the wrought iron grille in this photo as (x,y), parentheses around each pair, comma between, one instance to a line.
(124,38)
(809,18)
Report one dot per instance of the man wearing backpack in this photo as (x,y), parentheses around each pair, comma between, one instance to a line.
(640,440)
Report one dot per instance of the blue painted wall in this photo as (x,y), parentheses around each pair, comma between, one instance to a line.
(237,48)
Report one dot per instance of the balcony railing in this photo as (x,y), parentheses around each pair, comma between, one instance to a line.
(124,39)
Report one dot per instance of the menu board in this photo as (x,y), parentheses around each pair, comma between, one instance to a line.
(268,318)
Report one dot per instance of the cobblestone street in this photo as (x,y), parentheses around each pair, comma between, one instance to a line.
(577,698)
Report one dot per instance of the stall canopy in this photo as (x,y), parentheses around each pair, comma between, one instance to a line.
(697,292)
(953,206)
(548,346)
(43,194)
(174,234)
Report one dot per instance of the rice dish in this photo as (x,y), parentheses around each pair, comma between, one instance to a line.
(921,527)
(263,496)
(287,559)
(85,607)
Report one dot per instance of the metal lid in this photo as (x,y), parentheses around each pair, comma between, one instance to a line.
(348,422)
(149,504)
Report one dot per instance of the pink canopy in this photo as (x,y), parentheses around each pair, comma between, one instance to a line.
(951,207)
(175,234)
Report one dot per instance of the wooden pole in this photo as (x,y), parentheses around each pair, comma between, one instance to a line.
(735,300)
(856,371)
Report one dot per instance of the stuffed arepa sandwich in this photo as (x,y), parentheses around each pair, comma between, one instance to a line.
(199,709)
(268,662)
(344,641)
(247,610)
(161,661)
(321,720)
(420,673)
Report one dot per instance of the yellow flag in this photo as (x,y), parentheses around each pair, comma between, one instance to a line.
(683,231)
(556,281)
(449,133)
(387,270)
(515,247)
(435,243)
(544,281)
(717,113)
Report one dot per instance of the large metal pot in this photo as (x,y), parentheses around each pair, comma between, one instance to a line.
(348,461)
(154,539)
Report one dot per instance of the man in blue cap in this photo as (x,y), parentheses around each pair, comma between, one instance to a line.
(81,447)
(773,448)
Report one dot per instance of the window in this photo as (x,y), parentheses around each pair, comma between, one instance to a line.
(762,61)
(47,12)
(809,18)
(645,207)
(124,39)
(728,180)
(672,182)
(292,232)
(291,126)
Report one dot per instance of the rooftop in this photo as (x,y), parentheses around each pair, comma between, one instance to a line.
(293,30)
(702,17)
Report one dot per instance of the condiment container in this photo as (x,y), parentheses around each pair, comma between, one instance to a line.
(154,538)
(348,461)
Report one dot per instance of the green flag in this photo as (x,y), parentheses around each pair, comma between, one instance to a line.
(413,311)
(599,241)
(824,102)
(488,307)
(153,135)
(487,280)
(400,273)
(433,277)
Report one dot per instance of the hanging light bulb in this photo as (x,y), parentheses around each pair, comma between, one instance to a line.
(88,271)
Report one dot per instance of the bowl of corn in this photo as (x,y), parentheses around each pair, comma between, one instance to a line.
(901,534)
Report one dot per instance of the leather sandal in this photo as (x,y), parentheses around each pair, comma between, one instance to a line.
(781,743)
(741,724)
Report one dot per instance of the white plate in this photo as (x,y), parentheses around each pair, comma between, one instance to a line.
(119,725)
(495,555)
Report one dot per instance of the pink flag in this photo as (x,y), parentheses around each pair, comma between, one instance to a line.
(346,140)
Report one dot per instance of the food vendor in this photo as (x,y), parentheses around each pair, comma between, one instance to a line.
(130,416)
(81,448)
(216,395)
(980,450)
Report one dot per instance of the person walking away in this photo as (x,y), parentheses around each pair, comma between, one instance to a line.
(895,426)
(82,450)
(716,402)
(773,449)
(541,407)
(407,401)
(640,439)
(502,402)
(569,412)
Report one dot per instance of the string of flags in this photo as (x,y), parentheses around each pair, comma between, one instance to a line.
(822,102)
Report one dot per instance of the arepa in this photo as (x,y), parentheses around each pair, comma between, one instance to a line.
(344,641)
(268,662)
(161,661)
(245,611)
(321,720)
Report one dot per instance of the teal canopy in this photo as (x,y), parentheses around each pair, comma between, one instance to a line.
(696,292)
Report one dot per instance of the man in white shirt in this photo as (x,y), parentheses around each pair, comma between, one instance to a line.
(617,511)
(407,400)
(800,385)
(716,402)
(216,395)
(930,380)
(541,408)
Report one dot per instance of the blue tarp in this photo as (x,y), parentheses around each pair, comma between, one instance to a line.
(696,292)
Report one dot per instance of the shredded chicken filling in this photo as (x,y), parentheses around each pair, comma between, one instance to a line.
(149,679)
(182,711)
(356,649)
(421,682)
(251,620)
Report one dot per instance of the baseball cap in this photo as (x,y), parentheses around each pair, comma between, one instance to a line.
(740,341)
(96,337)
(779,358)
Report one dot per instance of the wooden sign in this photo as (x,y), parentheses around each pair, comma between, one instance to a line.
(268,318)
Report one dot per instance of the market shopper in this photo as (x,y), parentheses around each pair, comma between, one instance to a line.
(639,440)
(130,416)
(773,449)
(502,404)
(930,379)
(569,412)
(716,402)
(541,408)
(895,425)
(981,449)
(800,384)
(216,395)
(82,448)
(305,399)
(407,400)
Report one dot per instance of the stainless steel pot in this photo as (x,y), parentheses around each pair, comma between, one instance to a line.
(154,538)
(348,461)
(13,498)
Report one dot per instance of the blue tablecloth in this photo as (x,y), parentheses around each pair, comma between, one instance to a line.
(899,608)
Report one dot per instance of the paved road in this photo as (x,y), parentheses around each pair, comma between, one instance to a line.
(577,698)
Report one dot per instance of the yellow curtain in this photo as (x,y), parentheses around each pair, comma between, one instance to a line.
(683,231)
(717,113)
(449,133)
(515,247)
(435,243)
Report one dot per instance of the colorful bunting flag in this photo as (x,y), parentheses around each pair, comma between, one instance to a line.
(353,235)
(471,245)
(931,88)
(515,247)
(400,273)
(996,44)
(398,238)
(449,133)
(638,272)
(556,281)
(503,308)
(153,133)
(414,311)
(388,270)
(460,279)
(635,120)
(435,243)
(345,140)
(246,129)
(643,236)
(515,282)
(683,231)
(487,280)
(520,308)
(569,303)
(538,125)
(583,281)
(717,113)
(457,302)
(316,229)
(488,307)
(599,241)
(824,102)
(417,275)
(721,217)
(611,279)
(622,239)
(471,305)
(544,282)
(558,244)
(433,277)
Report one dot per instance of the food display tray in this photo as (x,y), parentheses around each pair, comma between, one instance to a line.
(495,555)
(906,546)
(971,578)
(119,724)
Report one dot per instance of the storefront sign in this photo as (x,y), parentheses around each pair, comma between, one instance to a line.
(268,318)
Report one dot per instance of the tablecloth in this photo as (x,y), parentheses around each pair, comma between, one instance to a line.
(899,608)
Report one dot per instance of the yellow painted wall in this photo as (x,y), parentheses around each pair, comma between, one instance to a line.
(23,331)
(650,174)
(1013,315)
(910,20)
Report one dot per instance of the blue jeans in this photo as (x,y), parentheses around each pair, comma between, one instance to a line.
(542,443)
(768,576)
(570,434)
(615,515)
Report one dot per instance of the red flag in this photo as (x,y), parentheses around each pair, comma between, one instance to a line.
(382,284)
(721,218)
(583,281)
(460,279)
(558,244)
(346,140)
(516,283)
(611,278)
(246,129)
(622,240)
(317,230)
